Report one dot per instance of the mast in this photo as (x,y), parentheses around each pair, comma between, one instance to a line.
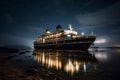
(70,27)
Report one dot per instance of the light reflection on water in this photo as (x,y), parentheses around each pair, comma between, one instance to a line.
(102,56)
(100,64)
(67,61)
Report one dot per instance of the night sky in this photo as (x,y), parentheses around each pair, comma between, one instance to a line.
(22,21)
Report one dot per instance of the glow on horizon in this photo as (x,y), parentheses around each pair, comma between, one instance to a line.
(117,45)
(99,41)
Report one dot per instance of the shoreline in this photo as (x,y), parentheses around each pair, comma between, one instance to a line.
(11,72)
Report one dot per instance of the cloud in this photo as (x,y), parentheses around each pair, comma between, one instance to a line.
(103,22)
(8,18)
(57,2)
(102,41)
(36,29)
(7,39)
(105,17)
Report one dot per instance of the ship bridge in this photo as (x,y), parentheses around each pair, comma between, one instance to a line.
(70,32)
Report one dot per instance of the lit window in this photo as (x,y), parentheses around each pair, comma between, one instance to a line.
(68,35)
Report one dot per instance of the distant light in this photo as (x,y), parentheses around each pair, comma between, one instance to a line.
(82,33)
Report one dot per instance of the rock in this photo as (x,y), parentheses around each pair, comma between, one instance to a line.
(29,56)
(32,71)
(27,51)
(33,78)
(10,57)
(35,66)
(21,52)
(8,50)
(19,60)
(34,54)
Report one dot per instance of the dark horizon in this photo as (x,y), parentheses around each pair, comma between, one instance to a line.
(22,21)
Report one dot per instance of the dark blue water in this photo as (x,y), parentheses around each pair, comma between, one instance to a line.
(100,64)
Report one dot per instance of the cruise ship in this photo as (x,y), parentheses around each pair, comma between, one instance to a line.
(64,39)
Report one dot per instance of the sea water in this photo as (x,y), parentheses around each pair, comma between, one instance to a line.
(95,64)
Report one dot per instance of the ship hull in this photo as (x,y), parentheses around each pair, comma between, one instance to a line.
(76,44)
(80,46)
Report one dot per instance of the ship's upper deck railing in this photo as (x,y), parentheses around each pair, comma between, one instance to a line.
(60,33)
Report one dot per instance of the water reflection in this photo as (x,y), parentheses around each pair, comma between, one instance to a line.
(46,59)
(101,56)
(68,61)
